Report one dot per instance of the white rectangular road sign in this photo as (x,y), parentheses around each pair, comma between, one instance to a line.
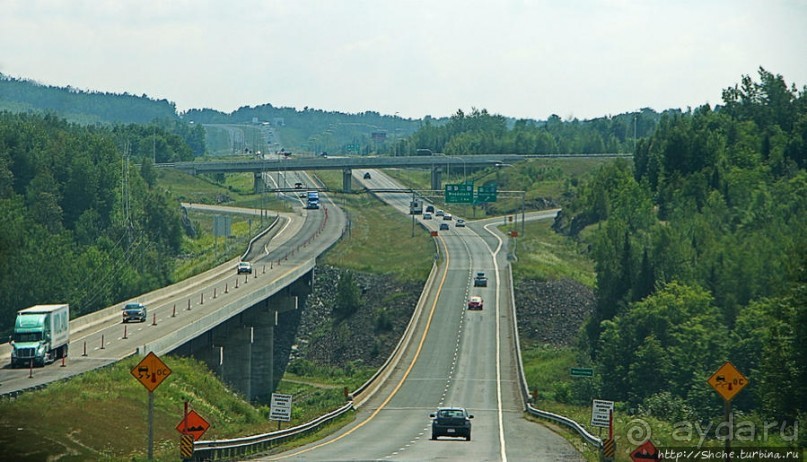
(599,412)
(280,407)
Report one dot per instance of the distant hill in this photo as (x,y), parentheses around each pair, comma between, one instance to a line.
(314,130)
(309,129)
(84,107)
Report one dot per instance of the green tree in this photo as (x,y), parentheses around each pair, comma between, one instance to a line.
(348,297)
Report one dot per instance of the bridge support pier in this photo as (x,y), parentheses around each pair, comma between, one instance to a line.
(437,178)
(251,350)
(259,184)
(347,180)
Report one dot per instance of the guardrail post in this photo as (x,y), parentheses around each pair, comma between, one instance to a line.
(214,293)
(154,320)
(174,313)
(202,299)
(189,304)
(102,342)
(85,349)
(226,287)
(124,331)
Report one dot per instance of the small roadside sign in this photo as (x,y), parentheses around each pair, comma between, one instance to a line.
(728,381)
(645,451)
(280,407)
(581,372)
(151,371)
(600,410)
(193,424)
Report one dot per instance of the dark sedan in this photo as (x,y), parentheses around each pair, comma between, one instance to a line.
(453,421)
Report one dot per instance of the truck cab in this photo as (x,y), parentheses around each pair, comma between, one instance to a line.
(41,335)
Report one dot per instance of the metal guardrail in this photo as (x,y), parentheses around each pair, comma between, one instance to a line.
(225,449)
(525,392)
(240,447)
(557,418)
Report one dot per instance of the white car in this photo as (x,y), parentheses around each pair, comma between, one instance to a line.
(460,223)
(244,267)
(427,216)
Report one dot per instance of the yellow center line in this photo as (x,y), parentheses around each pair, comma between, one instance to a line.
(403,379)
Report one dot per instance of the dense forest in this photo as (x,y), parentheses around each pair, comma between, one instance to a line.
(701,257)
(316,130)
(82,224)
(483,133)
(82,106)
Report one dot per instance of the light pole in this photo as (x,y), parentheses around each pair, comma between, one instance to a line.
(464,172)
(412,212)
(499,166)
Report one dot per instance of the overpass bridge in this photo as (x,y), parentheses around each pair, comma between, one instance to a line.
(241,326)
(347,164)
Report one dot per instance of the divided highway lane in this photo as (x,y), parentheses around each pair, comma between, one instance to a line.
(297,239)
(455,358)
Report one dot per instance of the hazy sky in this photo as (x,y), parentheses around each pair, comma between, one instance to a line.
(518,58)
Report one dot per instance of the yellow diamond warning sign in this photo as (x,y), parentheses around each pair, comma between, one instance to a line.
(151,371)
(728,381)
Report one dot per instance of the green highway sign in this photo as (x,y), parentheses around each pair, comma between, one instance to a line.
(486,194)
(459,193)
(581,372)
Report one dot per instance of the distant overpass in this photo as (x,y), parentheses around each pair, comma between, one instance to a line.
(348,164)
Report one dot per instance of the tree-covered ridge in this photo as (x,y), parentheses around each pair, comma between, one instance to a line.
(80,225)
(701,255)
(315,130)
(483,133)
(84,106)
(160,133)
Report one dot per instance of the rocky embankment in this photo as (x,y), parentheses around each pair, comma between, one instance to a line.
(548,312)
(369,335)
(552,312)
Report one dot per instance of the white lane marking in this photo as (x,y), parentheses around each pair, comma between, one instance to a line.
(503,449)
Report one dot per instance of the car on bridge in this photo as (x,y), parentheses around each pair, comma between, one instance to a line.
(475,303)
(430,208)
(135,312)
(367,175)
(443,226)
(451,421)
(448,217)
(439,213)
(427,216)
(244,267)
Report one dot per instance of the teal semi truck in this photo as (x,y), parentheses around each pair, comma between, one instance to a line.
(41,335)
